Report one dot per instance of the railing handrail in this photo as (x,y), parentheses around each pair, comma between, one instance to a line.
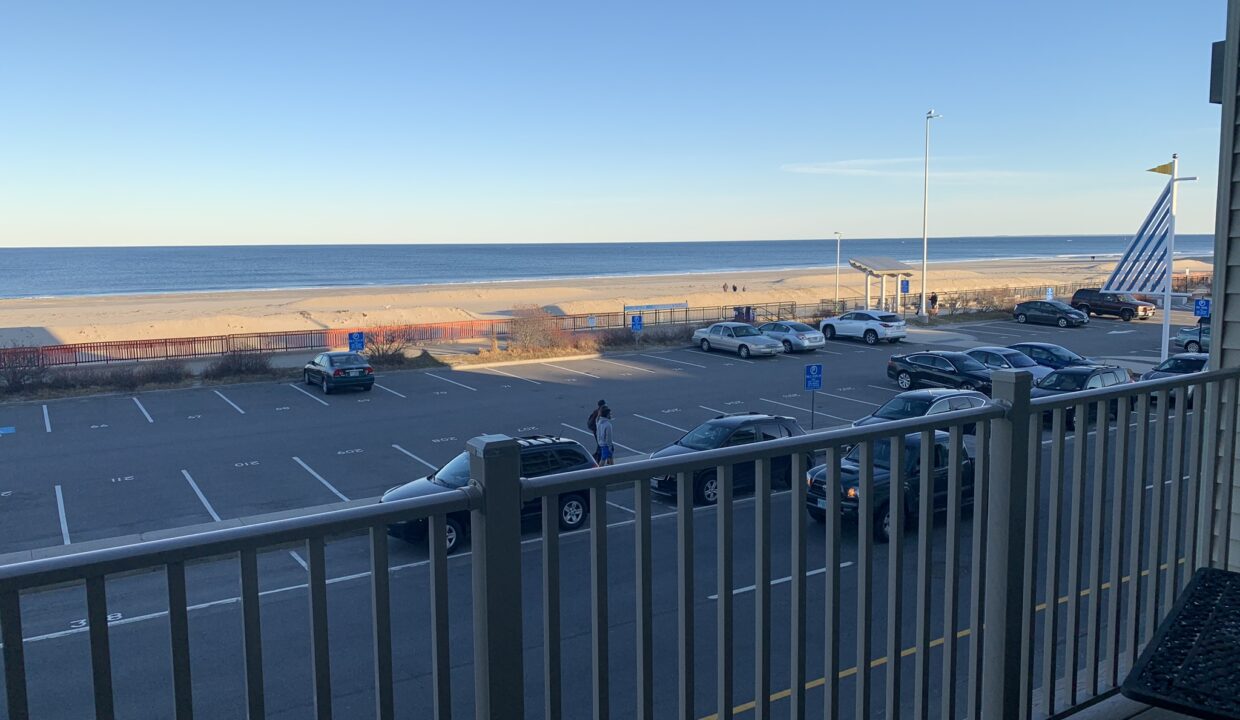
(1085,397)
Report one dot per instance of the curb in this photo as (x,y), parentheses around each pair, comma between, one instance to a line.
(506,363)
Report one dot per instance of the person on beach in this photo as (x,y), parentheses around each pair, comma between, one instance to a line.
(733,288)
(725,287)
(934,303)
(606,453)
(592,425)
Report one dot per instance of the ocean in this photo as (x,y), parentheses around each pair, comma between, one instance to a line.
(57,272)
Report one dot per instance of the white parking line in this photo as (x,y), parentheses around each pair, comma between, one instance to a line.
(721,412)
(618,506)
(682,362)
(659,422)
(583,431)
(300,562)
(841,397)
(210,510)
(315,398)
(816,412)
(514,377)
(64,524)
(230,402)
(144,412)
(631,367)
(737,358)
(779,581)
(388,389)
(884,389)
(47,421)
(437,377)
(415,457)
(319,477)
(560,367)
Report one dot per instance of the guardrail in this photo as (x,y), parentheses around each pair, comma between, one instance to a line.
(1067,475)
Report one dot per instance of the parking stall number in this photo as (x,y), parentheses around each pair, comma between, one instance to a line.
(282,409)
(791,395)
(81,623)
(450,438)
(96,427)
(193,417)
(122,478)
(669,411)
(354,451)
(735,402)
(6,493)
(527,428)
(248,463)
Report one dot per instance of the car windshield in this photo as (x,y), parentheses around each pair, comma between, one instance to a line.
(705,437)
(1019,360)
(350,359)
(882,454)
(1126,298)
(889,318)
(898,408)
(455,474)
(1066,382)
(967,364)
(744,331)
(800,327)
(1063,353)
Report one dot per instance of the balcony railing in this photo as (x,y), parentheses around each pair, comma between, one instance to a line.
(1089,512)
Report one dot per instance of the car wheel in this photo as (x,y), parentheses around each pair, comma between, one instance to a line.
(882,523)
(705,346)
(1192,346)
(454,533)
(572,512)
(706,489)
(788,347)
(306,375)
(1126,316)
(905,381)
(829,331)
(871,337)
(1062,322)
(1022,318)
(743,351)
(327,389)
(818,515)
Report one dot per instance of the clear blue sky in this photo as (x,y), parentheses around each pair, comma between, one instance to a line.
(269,122)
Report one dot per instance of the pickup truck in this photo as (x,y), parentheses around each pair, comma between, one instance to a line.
(1122,306)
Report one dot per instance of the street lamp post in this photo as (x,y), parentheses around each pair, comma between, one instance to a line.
(837,272)
(925,198)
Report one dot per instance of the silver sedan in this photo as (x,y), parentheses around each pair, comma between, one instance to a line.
(794,336)
(744,340)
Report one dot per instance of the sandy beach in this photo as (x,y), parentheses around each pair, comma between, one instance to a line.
(89,319)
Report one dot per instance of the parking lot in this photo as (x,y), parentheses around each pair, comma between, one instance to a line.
(109,468)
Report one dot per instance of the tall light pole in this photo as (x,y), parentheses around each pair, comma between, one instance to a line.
(925,199)
(837,271)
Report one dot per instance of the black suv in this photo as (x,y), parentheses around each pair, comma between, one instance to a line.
(728,431)
(1077,379)
(1121,305)
(540,455)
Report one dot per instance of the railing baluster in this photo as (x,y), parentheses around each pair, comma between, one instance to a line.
(178,633)
(1119,519)
(251,618)
(895,570)
(645,621)
(441,676)
(981,470)
(950,579)
(1076,527)
(100,652)
(1196,446)
(1050,626)
(1140,470)
(831,588)
(865,550)
(1156,482)
(684,594)
(723,575)
(1175,506)
(797,638)
(598,602)
(381,614)
(1093,612)
(1207,483)
(320,656)
(762,589)
(551,606)
(1029,581)
(1229,456)
(14,655)
(925,522)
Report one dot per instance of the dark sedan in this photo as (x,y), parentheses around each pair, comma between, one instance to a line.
(1180,364)
(940,368)
(1001,358)
(1051,356)
(919,403)
(1049,312)
(818,503)
(1076,379)
(333,370)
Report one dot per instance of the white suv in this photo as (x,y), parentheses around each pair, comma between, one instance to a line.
(869,325)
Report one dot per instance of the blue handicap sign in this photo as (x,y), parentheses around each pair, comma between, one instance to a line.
(1201,308)
(637,323)
(357,341)
(813,377)
(904,286)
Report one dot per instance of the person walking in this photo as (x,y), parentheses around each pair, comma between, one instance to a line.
(606,452)
(592,425)
(934,303)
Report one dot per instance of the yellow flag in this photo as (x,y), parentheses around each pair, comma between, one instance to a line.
(1164,169)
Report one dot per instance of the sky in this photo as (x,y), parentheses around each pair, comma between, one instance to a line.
(155,123)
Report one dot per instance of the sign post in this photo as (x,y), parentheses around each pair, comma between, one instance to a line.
(1050,294)
(904,297)
(635,323)
(357,342)
(813,383)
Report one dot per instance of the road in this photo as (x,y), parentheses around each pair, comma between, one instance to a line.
(111,469)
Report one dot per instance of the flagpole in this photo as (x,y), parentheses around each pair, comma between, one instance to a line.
(1166,318)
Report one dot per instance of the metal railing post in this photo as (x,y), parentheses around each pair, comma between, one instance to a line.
(495,528)
(1007,580)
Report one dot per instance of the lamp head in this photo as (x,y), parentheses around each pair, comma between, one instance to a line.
(931,114)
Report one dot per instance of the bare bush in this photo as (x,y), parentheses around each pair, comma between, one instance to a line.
(239,364)
(534,327)
(388,348)
(21,368)
(162,372)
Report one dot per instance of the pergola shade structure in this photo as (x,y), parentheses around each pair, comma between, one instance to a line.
(881,268)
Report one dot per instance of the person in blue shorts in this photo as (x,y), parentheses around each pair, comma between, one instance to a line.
(606,451)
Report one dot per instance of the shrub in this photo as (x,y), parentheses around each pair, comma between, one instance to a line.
(21,368)
(388,348)
(161,372)
(239,364)
(534,327)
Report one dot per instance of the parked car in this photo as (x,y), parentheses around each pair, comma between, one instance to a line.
(846,498)
(938,367)
(795,336)
(1051,356)
(1001,358)
(1193,339)
(918,403)
(1178,364)
(1121,305)
(743,339)
(332,370)
(1049,312)
(869,325)
(728,431)
(540,455)
(1076,379)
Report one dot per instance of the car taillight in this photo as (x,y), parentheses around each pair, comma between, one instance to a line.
(338,373)
(370,370)
(801,336)
(885,324)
